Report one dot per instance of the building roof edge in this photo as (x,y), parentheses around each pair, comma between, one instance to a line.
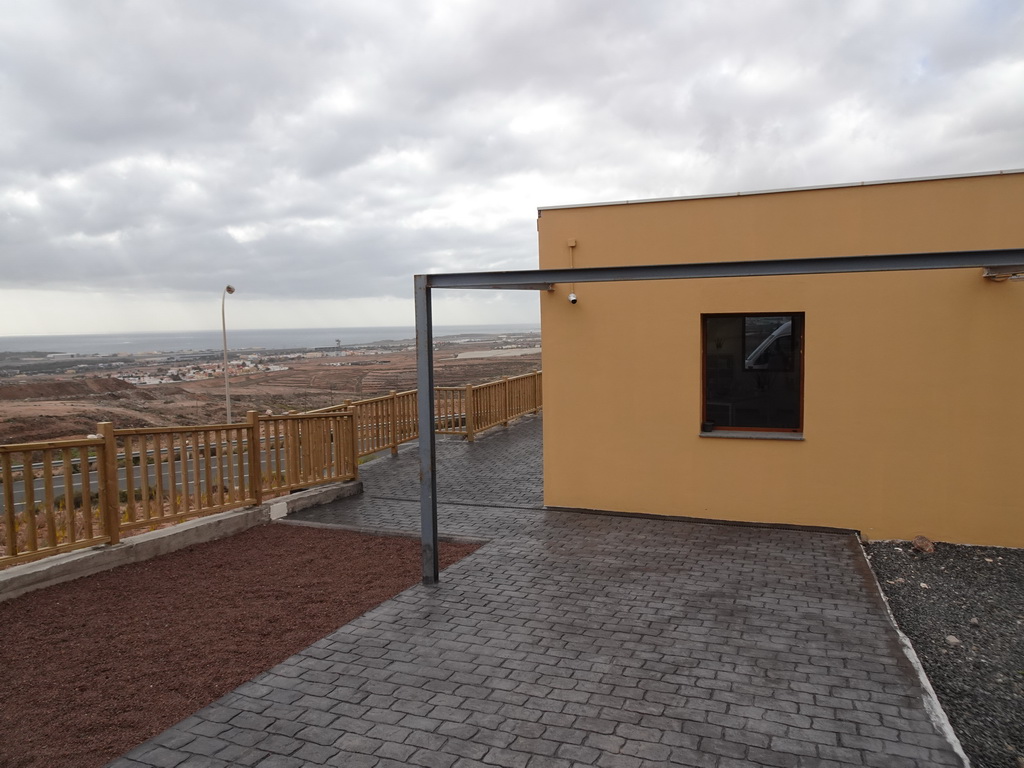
(787,189)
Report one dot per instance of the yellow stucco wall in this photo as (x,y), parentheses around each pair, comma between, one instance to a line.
(913,382)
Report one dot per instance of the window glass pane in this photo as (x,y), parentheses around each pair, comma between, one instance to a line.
(768,340)
(752,374)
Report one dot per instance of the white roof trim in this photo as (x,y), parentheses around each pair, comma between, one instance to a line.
(789,189)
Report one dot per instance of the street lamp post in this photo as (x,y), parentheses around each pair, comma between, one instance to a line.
(224,330)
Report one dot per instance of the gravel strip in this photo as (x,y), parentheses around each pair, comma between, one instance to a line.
(963,609)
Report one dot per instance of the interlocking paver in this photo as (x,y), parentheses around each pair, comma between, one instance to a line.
(579,639)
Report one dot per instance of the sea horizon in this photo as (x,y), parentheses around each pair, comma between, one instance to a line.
(241,339)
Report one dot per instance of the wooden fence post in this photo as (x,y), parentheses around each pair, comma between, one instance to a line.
(349,408)
(393,423)
(353,445)
(508,401)
(470,429)
(252,427)
(110,496)
(536,391)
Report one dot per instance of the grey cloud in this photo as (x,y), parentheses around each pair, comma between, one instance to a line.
(326,149)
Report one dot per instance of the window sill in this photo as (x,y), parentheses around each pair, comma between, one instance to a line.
(738,434)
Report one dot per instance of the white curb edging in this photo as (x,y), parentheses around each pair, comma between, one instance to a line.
(930,698)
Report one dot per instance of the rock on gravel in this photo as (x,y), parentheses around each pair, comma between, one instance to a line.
(963,609)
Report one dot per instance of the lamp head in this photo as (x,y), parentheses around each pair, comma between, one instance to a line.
(999,274)
(229,289)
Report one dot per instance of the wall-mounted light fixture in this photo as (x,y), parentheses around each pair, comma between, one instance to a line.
(999,274)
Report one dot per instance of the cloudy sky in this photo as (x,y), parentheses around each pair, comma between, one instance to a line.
(317,154)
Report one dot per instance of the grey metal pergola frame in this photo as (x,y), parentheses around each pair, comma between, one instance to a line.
(997,263)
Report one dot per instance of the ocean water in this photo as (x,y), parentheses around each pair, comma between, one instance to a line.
(271,338)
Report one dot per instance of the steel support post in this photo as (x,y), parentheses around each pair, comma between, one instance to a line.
(996,263)
(425,421)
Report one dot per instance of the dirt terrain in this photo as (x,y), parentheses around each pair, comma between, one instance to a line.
(54,406)
(94,667)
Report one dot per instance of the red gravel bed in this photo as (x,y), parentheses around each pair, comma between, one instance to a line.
(92,668)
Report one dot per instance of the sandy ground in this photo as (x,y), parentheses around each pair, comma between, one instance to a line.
(94,667)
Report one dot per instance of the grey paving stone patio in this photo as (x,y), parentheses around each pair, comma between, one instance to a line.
(580,640)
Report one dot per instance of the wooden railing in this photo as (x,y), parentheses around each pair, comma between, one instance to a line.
(498,401)
(66,495)
(177,473)
(452,413)
(70,494)
(55,498)
(384,423)
(470,410)
(301,450)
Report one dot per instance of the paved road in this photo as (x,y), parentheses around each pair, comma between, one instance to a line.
(574,639)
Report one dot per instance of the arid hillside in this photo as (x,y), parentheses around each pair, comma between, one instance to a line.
(55,406)
(57,389)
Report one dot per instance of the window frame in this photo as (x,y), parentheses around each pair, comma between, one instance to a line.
(799,341)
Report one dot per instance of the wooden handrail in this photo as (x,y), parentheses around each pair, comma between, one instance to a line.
(89,491)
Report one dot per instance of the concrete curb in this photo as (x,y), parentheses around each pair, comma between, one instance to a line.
(20,579)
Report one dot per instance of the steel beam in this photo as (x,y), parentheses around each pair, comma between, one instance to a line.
(425,422)
(994,261)
(545,279)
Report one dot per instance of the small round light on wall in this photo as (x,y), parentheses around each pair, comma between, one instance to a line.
(572,298)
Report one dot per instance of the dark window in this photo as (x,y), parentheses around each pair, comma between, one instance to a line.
(753,371)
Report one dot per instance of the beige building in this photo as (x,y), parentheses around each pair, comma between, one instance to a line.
(891,403)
